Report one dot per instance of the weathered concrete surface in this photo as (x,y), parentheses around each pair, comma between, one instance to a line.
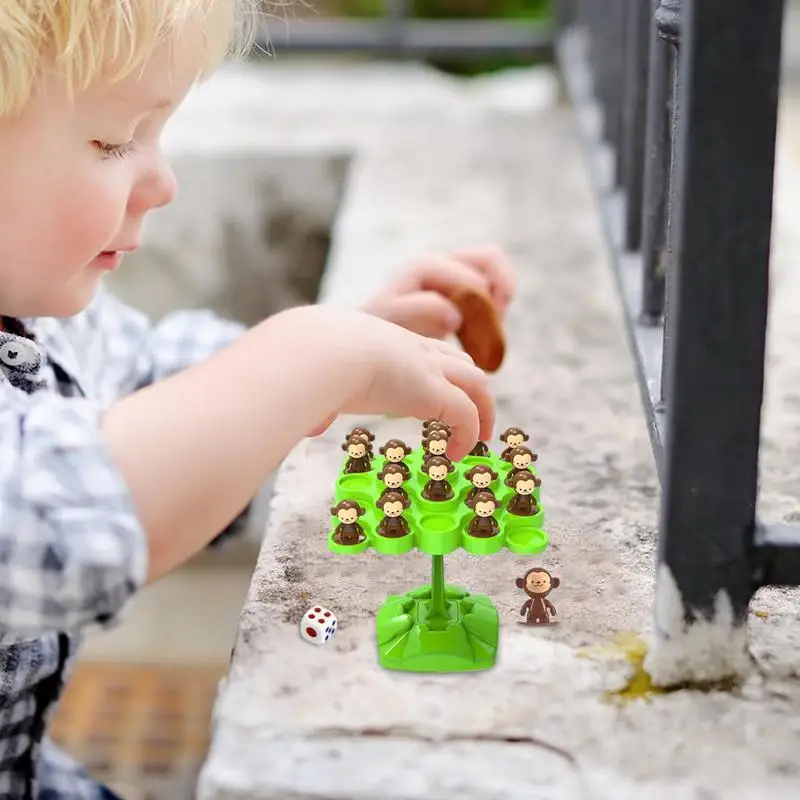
(293,721)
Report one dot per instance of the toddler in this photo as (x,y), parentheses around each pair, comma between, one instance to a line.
(124,447)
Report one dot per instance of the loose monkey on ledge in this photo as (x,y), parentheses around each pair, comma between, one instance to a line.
(537,583)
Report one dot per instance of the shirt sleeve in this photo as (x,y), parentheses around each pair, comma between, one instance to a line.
(139,353)
(72,550)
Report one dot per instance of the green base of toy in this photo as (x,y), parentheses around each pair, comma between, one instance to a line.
(413,638)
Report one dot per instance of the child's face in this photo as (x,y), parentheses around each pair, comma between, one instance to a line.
(65,199)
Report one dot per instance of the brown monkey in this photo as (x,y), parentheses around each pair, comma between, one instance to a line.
(483,524)
(481,450)
(348,531)
(435,425)
(368,435)
(393,479)
(393,525)
(481,477)
(438,488)
(511,438)
(537,583)
(395,451)
(523,503)
(357,449)
(521,459)
(435,445)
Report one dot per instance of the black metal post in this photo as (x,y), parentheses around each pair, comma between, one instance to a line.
(656,174)
(668,25)
(721,222)
(638,31)
(617,41)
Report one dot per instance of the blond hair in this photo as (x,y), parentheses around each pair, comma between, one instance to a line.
(87,40)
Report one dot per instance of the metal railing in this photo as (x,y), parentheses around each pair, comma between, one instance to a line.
(677,106)
(399,35)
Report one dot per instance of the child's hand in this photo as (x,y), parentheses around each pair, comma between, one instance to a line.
(417,299)
(382,368)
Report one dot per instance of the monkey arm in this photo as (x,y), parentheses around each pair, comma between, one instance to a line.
(524,610)
(550,607)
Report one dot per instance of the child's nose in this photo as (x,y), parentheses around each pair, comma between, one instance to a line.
(155,188)
(166,185)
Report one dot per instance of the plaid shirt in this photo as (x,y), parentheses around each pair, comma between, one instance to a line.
(72,550)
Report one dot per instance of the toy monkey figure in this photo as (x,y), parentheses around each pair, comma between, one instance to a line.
(481,450)
(481,477)
(393,525)
(435,425)
(368,435)
(438,488)
(395,451)
(537,583)
(511,438)
(348,531)
(523,503)
(393,479)
(521,459)
(357,449)
(434,445)
(483,524)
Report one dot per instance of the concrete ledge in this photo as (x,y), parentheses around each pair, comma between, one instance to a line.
(293,721)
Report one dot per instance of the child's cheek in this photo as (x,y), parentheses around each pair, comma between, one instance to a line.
(94,216)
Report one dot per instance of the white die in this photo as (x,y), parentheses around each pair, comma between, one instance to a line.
(318,625)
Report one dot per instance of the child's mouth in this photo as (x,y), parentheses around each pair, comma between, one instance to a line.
(108,259)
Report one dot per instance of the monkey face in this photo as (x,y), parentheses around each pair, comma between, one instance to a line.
(515,440)
(437,472)
(437,447)
(538,583)
(524,486)
(347,515)
(484,509)
(394,454)
(393,509)
(394,480)
(358,450)
(521,461)
(480,480)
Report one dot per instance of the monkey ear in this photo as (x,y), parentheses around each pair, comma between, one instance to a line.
(554,582)
(525,437)
(333,511)
(344,447)
(520,583)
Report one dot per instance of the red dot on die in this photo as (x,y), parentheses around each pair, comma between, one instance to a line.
(311,632)
(317,610)
(311,616)
(327,613)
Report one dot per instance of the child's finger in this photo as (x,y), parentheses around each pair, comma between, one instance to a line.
(474,383)
(447,275)
(497,270)
(456,409)
(322,427)
(427,313)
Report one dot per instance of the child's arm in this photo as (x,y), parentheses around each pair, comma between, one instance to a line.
(195,447)
(93,502)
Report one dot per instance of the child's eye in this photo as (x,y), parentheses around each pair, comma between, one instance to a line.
(115,150)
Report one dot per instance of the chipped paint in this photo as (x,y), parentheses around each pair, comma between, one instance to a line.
(707,651)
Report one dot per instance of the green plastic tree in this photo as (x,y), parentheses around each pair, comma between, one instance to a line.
(436,627)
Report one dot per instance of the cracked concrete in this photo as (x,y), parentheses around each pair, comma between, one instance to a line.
(293,721)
